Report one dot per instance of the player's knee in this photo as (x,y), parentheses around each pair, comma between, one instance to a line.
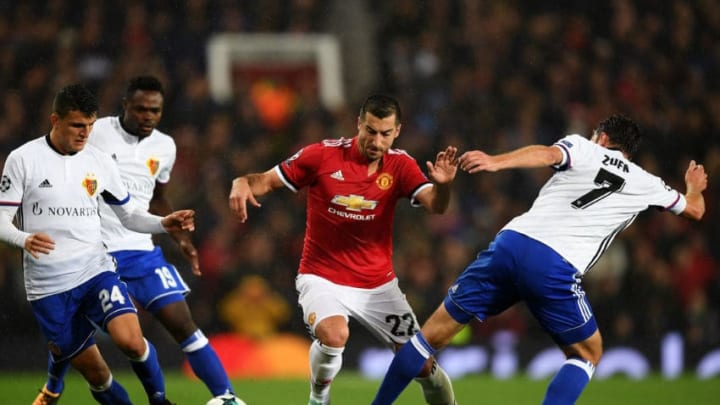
(177,320)
(595,349)
(334,337)
(95,374)
(181,330)
(134,348)
(590,349)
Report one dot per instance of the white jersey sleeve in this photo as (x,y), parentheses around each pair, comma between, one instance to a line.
(11,190)
(142,163)
(595,193)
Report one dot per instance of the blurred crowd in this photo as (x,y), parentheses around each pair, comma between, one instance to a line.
(490,75)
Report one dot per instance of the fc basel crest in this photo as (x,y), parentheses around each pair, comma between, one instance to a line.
(153,164)
(90,184)
(384,181)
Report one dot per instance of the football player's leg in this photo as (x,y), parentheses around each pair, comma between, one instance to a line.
(96,372)
(576,372)
(118,316)
(417,354)
(127,336)
(326,318)
(557,300)
(67,333)
(436,385)
(326,352)
(56,378)
(386,312)
(203,359)
(485,288)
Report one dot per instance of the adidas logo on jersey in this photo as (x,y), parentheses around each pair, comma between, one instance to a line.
(45,184)
(338,175)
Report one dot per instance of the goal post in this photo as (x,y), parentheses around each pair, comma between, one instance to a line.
(288,55)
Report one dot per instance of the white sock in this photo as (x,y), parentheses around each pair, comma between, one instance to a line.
(437,388)
(325,364)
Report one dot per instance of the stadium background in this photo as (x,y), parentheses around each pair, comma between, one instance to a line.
(476,74)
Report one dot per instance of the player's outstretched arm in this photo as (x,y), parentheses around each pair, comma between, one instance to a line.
(696,183)
(526,157)
(246,188)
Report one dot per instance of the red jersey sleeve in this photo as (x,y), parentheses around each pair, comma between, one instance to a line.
(412,179)
(301,169)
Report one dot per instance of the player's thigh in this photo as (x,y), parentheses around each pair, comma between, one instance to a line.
(319,299)
(488,284)
(384,311)
(106,298)
(63,324)
(563,309)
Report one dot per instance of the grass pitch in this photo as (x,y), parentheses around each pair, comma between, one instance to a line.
(351,389)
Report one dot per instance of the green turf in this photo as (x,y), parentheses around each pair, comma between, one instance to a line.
(350,389)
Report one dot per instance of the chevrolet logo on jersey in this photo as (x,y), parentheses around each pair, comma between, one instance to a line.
(354,202)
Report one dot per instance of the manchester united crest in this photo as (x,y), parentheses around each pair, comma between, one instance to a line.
(90,184)
(311,318)
(384,181)
(153,164)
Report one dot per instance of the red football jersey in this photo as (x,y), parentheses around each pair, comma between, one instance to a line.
(348,235)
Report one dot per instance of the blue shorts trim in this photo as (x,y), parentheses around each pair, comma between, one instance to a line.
(517,268)
(151,280)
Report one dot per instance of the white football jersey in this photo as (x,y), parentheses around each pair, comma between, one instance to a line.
(141,163)
(59,195)
(594,195)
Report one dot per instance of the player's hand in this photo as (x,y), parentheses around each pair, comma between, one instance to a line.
(240,195)
(38,243)
(445,167)
(475,161)
(188,250)
(182,220)
(695,178)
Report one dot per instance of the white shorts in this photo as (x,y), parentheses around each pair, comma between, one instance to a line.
(384,310)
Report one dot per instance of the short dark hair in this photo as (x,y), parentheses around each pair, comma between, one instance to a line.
(623,133)
(381,106)
(75,97)
(144,83)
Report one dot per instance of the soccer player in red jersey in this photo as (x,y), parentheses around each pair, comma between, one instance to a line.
(346,265)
